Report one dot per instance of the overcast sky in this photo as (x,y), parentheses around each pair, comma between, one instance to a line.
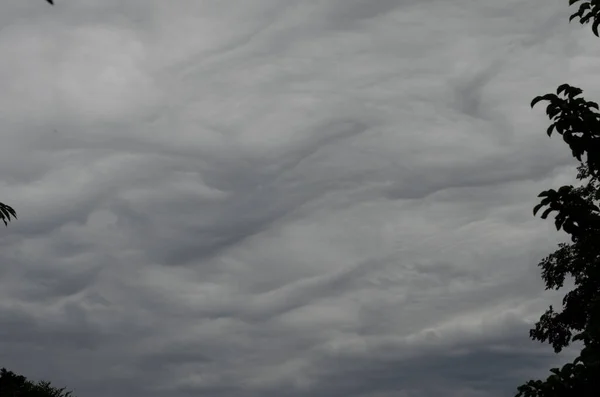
(247,198)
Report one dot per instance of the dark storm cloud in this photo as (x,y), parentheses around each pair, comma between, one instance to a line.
(246,198)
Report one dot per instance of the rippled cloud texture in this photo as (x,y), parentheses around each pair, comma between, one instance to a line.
(268,198)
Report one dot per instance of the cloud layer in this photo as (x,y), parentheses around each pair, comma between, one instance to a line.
(316,198)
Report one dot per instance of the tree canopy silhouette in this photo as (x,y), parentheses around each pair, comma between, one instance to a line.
(13,385)
(577,214)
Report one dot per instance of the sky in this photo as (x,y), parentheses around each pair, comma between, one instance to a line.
(262,197)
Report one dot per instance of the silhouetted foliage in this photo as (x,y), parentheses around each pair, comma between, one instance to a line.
(13,385)
(577,213)
(6,212)
(588,11)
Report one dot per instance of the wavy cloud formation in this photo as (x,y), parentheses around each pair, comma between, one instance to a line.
(265,198)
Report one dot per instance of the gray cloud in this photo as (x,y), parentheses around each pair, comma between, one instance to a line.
(260,197)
